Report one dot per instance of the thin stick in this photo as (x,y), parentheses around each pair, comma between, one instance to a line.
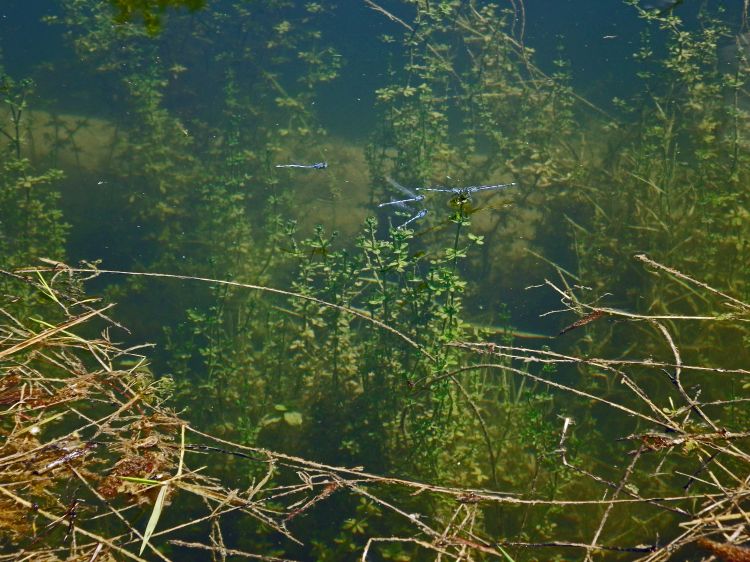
(228,551)
(419,542)
(51,332)
(645,259)
(272,290)
(605,517)
(668,423)
(676,378)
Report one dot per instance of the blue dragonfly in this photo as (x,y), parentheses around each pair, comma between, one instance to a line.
(462,196)
(316,166)
(461,200)
(465,193)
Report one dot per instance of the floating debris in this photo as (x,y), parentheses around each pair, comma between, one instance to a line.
(583,321)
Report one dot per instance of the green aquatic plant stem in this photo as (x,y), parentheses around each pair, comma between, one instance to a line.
(459,219)
(15,95)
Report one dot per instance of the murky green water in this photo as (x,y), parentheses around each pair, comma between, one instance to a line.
(623,131)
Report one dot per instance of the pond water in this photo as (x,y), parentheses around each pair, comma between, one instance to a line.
(506,338)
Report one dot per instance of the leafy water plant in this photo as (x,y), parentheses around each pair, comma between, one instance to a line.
(150,12)
(188,172)
(671,182)
(31,223)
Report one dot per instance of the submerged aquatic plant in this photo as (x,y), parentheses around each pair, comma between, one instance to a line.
(368,358)
(671,181)
(31,223)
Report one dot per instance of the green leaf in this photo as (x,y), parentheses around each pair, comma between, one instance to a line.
(154,519)
(159,504)
(507,556)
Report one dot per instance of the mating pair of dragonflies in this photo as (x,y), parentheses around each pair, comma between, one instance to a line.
(462,194)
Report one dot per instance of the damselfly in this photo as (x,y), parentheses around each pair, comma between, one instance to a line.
(405,190)
(316,166)
(418,216)
(403,203)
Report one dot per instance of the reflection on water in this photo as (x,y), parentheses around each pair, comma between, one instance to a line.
(264,145)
